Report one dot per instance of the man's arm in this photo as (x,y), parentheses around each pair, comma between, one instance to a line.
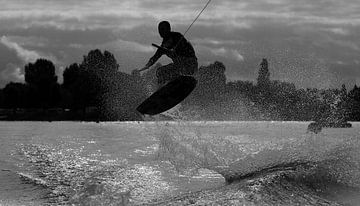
(163,49)
(151,61)
(154,58)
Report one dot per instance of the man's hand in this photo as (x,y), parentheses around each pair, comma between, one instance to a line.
(135,72)
(171,53)
(145,68)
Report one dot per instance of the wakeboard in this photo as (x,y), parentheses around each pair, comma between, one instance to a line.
(168,96)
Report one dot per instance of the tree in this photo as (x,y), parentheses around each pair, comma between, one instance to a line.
(75,95)
(97,82)
(263,94)
(98,72)
(15,95)
(354,104)
(209,90)
(342,111)
(2,98)
(263,79)
(40,73)
(41,78)
(211,81)
(71,76)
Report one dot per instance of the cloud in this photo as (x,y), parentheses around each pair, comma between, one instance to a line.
(227,31)
(217,42)
(123,45)
(92,14)
(339,31)
(235,54)
(117,45)
(12,73)
(24,54)
(227,53)
(29,41)
(70,15)
(128,14)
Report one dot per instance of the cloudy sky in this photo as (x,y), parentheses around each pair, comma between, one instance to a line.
(312,43)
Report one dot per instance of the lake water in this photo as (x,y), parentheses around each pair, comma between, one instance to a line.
(178,163)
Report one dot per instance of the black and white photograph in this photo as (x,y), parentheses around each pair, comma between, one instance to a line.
(176,103)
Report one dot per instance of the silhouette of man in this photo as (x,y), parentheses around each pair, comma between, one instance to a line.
(179,50)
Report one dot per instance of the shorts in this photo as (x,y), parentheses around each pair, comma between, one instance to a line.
(184,66)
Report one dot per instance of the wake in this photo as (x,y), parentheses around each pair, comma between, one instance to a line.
(237,153)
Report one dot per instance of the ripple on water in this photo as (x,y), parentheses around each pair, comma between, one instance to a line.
(75,178)
(283,171)
(304,166)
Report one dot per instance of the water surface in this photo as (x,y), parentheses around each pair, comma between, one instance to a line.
(270,163)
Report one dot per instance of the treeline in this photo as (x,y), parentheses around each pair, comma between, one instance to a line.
(267,99)
(96,89)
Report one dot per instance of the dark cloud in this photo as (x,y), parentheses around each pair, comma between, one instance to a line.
(302,40)
(8,66)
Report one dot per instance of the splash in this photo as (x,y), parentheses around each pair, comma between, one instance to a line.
(238,151)
(72,177)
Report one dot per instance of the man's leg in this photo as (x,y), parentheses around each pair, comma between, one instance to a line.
(189,66)
(167,73)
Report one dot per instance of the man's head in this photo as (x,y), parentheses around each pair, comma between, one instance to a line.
(164,28)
